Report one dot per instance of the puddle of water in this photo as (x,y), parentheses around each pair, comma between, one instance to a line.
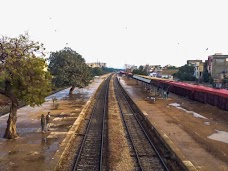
(207,123)
(57,119)
(64,94)
(197,115)
(219,136)
(34,142)
(26,130)
(48,141)
(50,150)
(174,104)
(2,154)
(193,113)
(59,95)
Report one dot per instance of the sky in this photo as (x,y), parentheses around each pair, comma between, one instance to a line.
(119,32)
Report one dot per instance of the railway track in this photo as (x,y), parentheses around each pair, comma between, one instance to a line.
(147,154)
(92,153)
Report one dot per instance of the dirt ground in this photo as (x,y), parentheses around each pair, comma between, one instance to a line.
(182,127)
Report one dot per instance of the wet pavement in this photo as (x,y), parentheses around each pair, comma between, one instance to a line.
(37,151)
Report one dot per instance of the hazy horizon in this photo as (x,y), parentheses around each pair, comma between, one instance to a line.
(123,32)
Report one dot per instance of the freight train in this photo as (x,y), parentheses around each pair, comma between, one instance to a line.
(207,95)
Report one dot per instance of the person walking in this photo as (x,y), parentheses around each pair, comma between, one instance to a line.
(48,117)
(43,123)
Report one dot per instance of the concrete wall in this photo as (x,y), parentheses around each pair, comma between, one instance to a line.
(219,65)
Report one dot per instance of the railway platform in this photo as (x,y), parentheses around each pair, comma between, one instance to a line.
(196,132)
(34,150)
(186,126)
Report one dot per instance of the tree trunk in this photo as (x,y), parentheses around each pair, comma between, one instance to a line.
(71,90)
(11,131)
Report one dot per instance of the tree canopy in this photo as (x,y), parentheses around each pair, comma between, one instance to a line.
(69,69)
(140,71)
(206,75)
(97,71)
(172,67)
(22,75)
(185,73)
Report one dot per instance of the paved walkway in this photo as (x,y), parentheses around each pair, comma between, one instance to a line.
(37,151)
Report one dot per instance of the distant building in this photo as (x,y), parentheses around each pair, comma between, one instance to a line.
(198,70)
(155,71)
(153,67)
(168,73)
(96,64)
(217,65)
(153,74)
(169,66)
(193,62)
(198,67)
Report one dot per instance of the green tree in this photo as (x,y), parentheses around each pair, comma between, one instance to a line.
(97,71)
(206,76)
(69,69)
(185,73)
(23,76)
(172,67)
(141,68)
(108,70)
(139,71)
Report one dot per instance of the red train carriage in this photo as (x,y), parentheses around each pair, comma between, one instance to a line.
(216,97)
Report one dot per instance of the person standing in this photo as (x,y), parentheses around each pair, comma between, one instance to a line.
(167,93)
(43,123)
(48,117)
(164,94)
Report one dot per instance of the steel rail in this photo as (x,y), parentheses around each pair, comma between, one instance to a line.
(103,124)
(127,129)
(124,94)
(88,127)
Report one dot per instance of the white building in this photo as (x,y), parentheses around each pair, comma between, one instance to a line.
(96,64)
